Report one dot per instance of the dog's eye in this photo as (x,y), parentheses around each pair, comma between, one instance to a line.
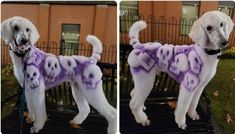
(34,74)
(209,28)
(221,24)
(16,28)
(27,29)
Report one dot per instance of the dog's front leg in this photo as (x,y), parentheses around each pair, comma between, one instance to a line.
(31,115)
(38,103)
(183,103)
(192,113)
(196,97)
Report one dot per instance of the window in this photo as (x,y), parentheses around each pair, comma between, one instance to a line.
(128,14)
(226,7)
(190,10)
(70,39)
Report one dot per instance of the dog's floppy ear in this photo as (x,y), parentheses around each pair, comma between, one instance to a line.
(228,26)
(34,35)
(197,33)
(6,30)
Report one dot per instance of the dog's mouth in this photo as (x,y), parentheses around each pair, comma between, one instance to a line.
(21,48)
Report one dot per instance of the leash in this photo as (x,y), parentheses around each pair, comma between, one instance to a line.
(22,101)
(22,93)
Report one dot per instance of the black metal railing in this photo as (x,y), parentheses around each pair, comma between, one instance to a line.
(109,54)
(170,30)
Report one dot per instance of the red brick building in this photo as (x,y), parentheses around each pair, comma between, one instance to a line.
(67,21)
(169,21)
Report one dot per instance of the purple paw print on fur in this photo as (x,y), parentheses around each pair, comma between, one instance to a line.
(146,61)
(190,81)
(32,77)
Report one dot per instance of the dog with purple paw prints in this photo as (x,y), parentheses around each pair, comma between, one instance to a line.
(44,71)
(193,66)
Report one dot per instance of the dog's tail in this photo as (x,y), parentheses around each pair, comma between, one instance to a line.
(134,32)
(97,47)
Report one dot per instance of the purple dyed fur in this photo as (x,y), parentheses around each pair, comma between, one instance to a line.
(37,58)
(183,63)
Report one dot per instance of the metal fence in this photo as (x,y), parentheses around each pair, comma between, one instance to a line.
(108,55)
(164,30)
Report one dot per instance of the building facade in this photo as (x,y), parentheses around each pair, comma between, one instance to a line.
(98,19)
(169,21)
(65,25)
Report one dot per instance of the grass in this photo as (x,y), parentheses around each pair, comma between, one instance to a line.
(9,86)
(221,91)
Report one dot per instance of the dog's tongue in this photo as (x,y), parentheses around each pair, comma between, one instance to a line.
(21,48)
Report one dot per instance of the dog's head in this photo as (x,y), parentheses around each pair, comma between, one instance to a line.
(19,33)
(212,30)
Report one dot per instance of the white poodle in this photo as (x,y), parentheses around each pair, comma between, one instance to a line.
(46,70)
(192,66)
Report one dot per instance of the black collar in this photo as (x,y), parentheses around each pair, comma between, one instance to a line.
(21,54)
(212,51)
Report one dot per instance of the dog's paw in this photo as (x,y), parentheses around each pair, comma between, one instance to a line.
(181,121)
(144,107)
(194,116)
(34,130)
(73,122)
(182,126)
(29,120)
(145,123)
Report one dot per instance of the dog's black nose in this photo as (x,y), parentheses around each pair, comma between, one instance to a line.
(24,41)
(224,43)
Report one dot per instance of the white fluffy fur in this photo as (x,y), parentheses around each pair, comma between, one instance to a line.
(35,97)
(187,101)
(97,47)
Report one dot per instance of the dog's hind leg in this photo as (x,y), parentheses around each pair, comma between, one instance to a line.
(97,99)
(183,103)
(38,105)
(82,104)
(143,85)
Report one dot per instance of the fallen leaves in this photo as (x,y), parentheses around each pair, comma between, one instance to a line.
(228,119)
(216,93)
(172,104)
(26,114)
(233,79)
(75,125)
